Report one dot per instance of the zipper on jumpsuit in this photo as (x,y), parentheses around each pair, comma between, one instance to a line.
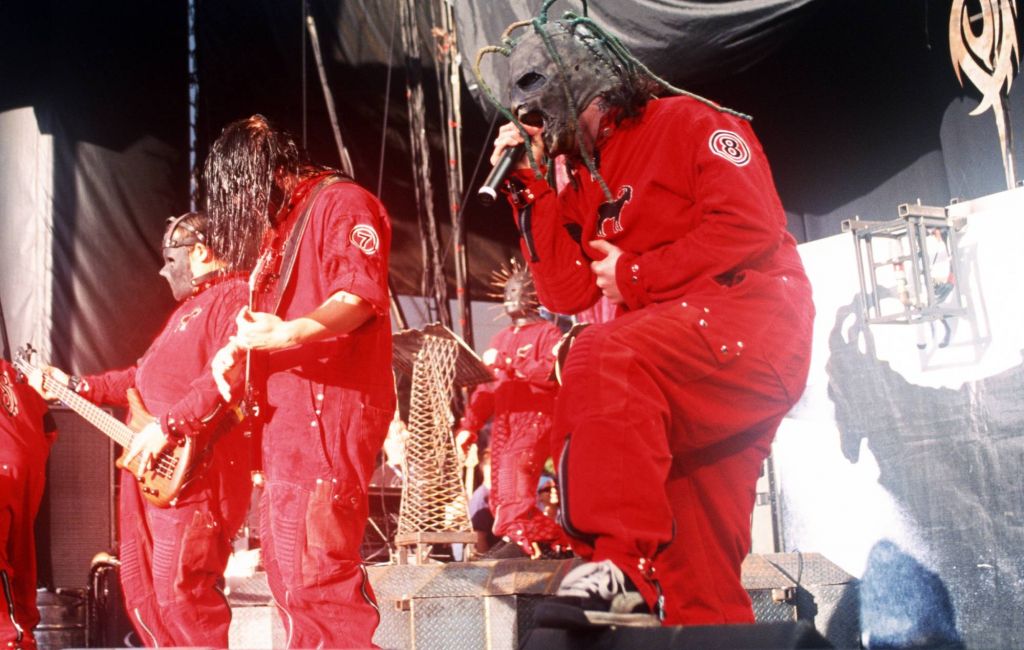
(9,597)
(138,617)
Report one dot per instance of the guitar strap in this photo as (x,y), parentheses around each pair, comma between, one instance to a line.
(256,379)
(291,248)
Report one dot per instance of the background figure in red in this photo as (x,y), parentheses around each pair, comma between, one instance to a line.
(667,411)
(26,433)
(321,337)
(173,557)
(521,401)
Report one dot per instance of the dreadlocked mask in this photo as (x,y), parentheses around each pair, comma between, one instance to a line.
(182,233)
(556,69)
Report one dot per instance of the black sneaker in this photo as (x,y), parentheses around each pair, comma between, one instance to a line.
(595,593)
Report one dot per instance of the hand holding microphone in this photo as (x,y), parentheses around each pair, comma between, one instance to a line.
(488,192)
(509,150)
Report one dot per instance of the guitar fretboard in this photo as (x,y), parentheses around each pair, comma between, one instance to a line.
(96,416)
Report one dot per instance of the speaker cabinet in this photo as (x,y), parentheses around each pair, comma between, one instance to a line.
(76,519)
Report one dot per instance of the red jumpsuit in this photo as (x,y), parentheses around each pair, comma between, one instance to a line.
(521,401)
(668,410)
(24,445)
(171,558)
(330,405)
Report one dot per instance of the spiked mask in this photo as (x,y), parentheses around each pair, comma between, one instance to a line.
(518,294)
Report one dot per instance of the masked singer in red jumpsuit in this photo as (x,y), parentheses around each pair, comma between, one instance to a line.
(668,411)
(520,402)
(172,558)
(26,433)
(320,334)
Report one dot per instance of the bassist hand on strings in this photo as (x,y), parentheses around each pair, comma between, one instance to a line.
(147,445)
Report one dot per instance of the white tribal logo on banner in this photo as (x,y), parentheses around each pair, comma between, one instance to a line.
(988,58)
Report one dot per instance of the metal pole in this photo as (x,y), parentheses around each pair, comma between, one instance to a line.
(314,41)
(193,95)
(451,114)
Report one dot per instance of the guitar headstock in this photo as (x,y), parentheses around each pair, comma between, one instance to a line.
(22,360)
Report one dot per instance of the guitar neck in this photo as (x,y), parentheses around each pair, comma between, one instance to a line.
(102,420)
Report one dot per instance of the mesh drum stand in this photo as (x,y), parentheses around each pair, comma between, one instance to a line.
(435,505)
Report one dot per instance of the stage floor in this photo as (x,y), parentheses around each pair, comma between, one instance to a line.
(489,604)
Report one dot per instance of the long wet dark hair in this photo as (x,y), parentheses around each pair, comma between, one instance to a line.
(242,182)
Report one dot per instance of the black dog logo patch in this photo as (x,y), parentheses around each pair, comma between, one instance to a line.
(612,211)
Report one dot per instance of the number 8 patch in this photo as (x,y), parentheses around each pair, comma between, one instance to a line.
(730,146)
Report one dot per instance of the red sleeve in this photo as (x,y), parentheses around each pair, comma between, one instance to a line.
(742,220)
(356,240)
(109,387)
(547,222)
(202,399)
(481,402)
(480,407)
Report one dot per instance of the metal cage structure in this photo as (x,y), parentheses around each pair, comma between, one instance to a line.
(908,267)
(435,506)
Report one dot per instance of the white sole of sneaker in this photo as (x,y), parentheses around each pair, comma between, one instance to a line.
(624,620)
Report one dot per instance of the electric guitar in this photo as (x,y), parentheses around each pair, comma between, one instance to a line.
(169,472)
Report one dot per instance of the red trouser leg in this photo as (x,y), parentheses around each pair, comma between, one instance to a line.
(666,432)
(313,514)
(520,443)
(310,542)
(135,551)
(22,479)
(171,561)
(712,497)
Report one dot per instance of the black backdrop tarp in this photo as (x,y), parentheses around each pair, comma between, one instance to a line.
(855,101)
(108,82)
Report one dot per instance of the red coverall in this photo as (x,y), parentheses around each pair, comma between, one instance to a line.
(24,445)
(521,400)
(171,558)
(668,410)
(330,405)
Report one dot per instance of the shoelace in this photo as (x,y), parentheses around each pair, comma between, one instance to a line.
(604,578)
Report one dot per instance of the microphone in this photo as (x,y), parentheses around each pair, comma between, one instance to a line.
(488,192)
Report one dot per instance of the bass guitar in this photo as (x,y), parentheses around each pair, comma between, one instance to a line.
(169,472)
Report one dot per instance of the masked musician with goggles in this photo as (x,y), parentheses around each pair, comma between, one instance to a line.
(173,551)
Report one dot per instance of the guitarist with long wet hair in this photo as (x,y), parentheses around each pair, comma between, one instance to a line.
(319,336)
(172,557)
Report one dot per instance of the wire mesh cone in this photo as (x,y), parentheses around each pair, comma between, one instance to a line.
(433,495)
